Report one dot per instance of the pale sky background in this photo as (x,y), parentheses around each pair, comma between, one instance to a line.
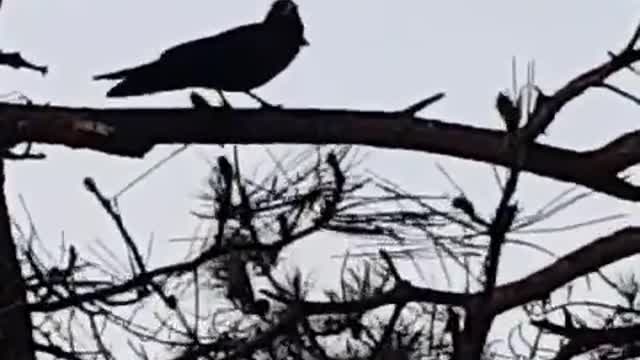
(369,54)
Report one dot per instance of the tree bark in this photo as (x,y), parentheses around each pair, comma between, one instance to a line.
(134,132)
(16,342)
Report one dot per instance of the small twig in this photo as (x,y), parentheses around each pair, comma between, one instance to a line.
(91,186)
(621,92)
(147,172)
(97,334)
(392,268)
(420,105)
(634,39)
(16,61)
(196,307)
(385,339)
(247,213)
(450,179)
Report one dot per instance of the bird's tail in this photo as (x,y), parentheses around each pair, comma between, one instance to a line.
(141,80)
(120,74)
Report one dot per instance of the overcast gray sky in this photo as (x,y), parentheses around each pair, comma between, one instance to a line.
(369,54)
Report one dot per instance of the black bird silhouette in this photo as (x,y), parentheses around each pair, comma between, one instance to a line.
(236,60)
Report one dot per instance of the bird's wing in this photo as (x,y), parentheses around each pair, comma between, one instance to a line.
(230,44)
(229,47)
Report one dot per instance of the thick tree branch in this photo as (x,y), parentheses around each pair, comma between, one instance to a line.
(481,310)
(589,258)
(16,342)
(133,132)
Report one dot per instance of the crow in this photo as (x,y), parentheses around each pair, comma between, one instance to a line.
(236,60)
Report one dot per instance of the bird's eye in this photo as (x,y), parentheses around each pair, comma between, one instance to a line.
(289,7)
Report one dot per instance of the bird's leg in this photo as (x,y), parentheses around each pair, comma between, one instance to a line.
(225,103)
(262,102)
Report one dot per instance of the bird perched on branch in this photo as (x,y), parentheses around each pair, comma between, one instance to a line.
(236,60)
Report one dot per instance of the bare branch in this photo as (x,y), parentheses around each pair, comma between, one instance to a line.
(391,265)
(16,61)
(587,259)
(134,132)
(545,111)
(624,94)
(413,109)
(634,39)
(15,321)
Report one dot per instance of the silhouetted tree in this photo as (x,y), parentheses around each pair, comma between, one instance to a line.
(70,309)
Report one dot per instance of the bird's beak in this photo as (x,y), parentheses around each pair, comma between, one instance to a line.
(305,42)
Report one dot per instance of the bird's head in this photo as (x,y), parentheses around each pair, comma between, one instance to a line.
(285,13)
